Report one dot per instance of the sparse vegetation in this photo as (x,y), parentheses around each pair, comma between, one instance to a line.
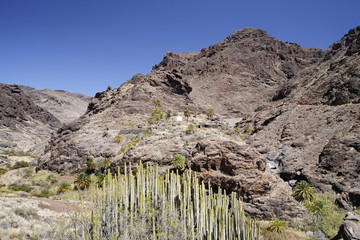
(178,161)
(303,191)
(3,171)
(324,215)
(123,150)
(132,124)
(118,138)
(210,113)
(191,128)
(243,136)
(21,164)
(21,154)
(146,133)
(157,102)
(21,187)
(43,178)
(248,129)
(27,214)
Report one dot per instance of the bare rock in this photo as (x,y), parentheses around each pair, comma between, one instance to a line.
(350,229)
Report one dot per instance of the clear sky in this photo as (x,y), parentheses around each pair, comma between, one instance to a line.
(85,45)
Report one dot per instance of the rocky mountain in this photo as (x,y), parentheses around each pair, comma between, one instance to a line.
(28,116)
(297,110)
(64,105)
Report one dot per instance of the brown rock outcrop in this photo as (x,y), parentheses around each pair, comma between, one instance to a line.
(350,229)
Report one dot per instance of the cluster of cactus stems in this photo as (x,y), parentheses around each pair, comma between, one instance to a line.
(171,206)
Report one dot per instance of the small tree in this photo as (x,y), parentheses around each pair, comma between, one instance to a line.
(187,114)
(90,165)
(168,114)
(210,112)
(303,191)
(178,161)
(190,128)
(156,116)
(156,102)
(82,181)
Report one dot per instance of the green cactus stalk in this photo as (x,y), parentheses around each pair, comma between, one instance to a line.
(146,205)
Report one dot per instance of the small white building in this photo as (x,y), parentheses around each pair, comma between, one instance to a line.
(176,118)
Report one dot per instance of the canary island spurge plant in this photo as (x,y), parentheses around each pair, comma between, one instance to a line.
(148,205)
(303,191)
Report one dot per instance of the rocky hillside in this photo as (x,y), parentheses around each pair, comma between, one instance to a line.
(28,116)
(284,98)
(314,133)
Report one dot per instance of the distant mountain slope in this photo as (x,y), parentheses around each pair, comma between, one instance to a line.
(28,116)
(64,105)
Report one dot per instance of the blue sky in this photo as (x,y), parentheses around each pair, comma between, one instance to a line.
(85,45)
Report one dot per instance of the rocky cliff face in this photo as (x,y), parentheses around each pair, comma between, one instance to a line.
(28,116)
(299,106)
(313,133)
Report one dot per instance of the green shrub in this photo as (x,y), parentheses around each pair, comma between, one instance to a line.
(303,191)
(132,124)
(248,129)
(178,161)
(191,128)
(243,136)
(157,102)
(100,179)
(27,213)
(90,165)
(43,178)
(105,163)
(134,140)
(118,138)
(21,164)
(146,133)
(64,187)
(123,150)
(43,194)
(82,181)
(3,171)
(23,188)
(277,225)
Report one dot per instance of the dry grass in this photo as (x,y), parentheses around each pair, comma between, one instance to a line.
(287,234)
